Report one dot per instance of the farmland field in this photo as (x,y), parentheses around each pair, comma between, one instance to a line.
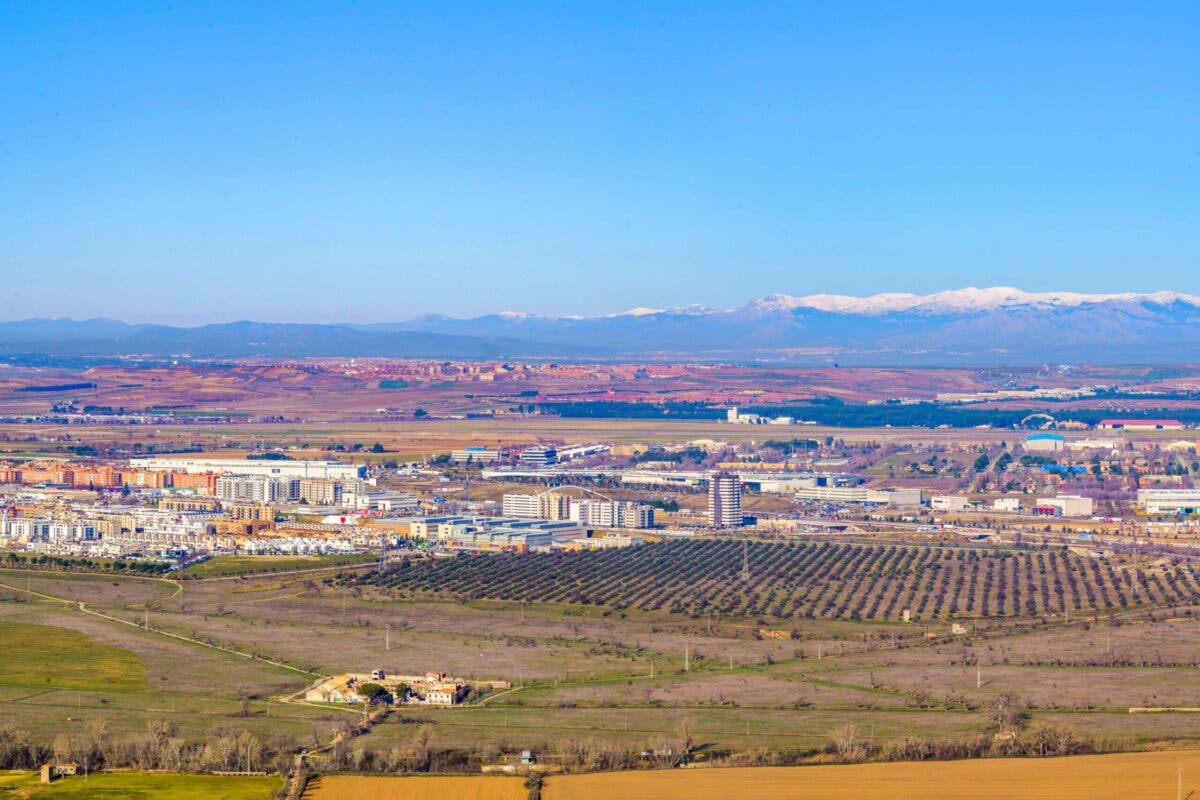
(795,581)
(416,788)
(138,786)
(622,678)
(49,657)
(1131,775)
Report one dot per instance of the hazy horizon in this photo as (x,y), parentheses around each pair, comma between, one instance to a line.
(209,163)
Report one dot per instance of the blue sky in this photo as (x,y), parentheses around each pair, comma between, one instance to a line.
(206,161)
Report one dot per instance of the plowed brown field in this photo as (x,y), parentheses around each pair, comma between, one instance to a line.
(352,787)
(1124,776)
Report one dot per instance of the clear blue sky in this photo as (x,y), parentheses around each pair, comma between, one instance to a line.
(209,161)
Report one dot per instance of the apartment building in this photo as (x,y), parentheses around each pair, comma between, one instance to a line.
(613,514)
(724,500)
(320,492)
(257,489)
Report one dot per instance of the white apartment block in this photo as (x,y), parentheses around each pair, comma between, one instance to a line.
(724,500)
(612,514)
(257,489)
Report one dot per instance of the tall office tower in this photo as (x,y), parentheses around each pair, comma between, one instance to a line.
(724,500)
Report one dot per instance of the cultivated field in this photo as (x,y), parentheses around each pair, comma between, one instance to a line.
(794,581)
(138,786)
(346,787)
(595,676)
(1135,775)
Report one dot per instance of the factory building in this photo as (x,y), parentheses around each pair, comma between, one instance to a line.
(329,470)
(1045,442)
(1065,505)
(1169,501)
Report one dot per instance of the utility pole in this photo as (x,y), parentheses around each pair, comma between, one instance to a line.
(978,676)
(387,638)
(686,657)
(745,561)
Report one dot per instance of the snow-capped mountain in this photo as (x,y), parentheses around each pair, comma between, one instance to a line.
(999,325)
(972,325)
(960,300)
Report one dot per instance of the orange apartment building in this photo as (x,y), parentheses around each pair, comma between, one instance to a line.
(102,476)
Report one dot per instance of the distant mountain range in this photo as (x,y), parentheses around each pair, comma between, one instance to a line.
(964,327)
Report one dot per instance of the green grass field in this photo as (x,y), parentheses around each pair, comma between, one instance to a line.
(139,786)
(227,566)
(49,657)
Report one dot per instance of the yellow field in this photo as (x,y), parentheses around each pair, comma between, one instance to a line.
(349,787)
(1124,776)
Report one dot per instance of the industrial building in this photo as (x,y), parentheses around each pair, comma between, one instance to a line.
(949,502)
(539,456)
(1065,505)
(860,494)
(1169,501)
(475,455)
(1045,442)
(495,533)
(328,470)
(1140,425)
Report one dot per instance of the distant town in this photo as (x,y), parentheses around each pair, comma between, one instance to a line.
(1133,477)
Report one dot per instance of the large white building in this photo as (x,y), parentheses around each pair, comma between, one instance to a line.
(860,494)
(724,500)
(547,505)
(1169,501)
(949,502)
(475,455)
(612,514)
(257,489)
(389,501)
(330,470)
(1066,505)
(1045,442)
(521,505)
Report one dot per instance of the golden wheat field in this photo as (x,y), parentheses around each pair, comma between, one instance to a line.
(352,787)
(1125,776)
